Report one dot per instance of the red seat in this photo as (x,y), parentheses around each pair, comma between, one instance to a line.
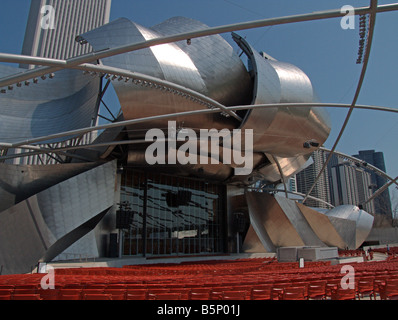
(276,293)
(92,291)
(95,286)
(70,294)
(49,294)
(389,291)
(116,286)
(201,290)
(366,288)
(136,296)
(157,290)
(332,285)
(4,292)
(97,296)
(343,294)
(24,291)
(199,296)
(216,294)
(261,294)
(167,296)
(117,294)
(137,292)
(6,287)
(26,297)
(317,291)
(184,292)
(69,297)
(234,295)
(293,293)
(27,286)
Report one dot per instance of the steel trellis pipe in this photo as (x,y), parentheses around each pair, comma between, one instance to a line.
(94,56)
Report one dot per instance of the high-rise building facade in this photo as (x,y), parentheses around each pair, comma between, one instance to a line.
(306,178)
(382,203)
(350,185)
(54,24)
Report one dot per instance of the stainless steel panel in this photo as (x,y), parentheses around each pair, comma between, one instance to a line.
(346,230)
(289,167)
(295,216)
(270,219)
(323,227)
(19,182)
(209,66)
(66,102)
(283,222)
(282,131)
(253,244)
(140,102)
(24,237)
(363,220)
(226,78)
(31,228)
(170,62)
(268,170)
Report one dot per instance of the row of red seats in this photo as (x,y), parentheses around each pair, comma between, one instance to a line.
(281,277)
(277,291)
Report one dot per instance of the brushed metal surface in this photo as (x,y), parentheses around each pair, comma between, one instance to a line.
(282,131)
(31,227)
(226,78)
(271,220)
(324,228)
(66,102)
(209,66)
(295,216)
(170,62)
(267,170)
(19,182)
(281,222)
(362,219)
(253,244)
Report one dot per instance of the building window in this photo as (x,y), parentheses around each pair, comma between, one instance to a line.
(172,215)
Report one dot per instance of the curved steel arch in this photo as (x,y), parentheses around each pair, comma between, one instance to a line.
(356,160)
(25,144)
(101,69)
(371,167)
(94,56)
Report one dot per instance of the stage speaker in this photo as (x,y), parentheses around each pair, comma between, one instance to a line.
(124,219)
(113,246)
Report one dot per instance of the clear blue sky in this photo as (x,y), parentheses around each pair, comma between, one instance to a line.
(322,49)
